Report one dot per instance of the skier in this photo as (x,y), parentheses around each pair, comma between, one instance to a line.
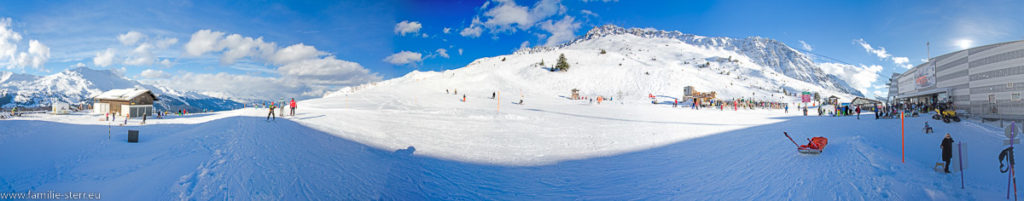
(675,102)
(271,112)
(787,108)
(446,91)
(281,109)
(493,95)
(463,97)
(947,150)
(805,111)
(292,105)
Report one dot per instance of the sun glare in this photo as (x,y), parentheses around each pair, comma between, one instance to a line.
(964,43)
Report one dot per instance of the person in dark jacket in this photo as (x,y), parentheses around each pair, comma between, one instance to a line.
(947,150)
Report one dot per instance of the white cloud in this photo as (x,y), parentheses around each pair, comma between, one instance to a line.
(524,45)
(442,52)
(561,31)
(880,52)
(166,42)
(900,60)
(447,30)
(37,54)
(141,55)
(78,65)
(586,12)
(203,41)
(806,46)
(154,74)
(859,77)
(166,63)
(8,39)
(35,57)
(104,58)
(406,26)
(879,93)
(130,38)
(460,51)
(474,30)
(404,57)
(424,35)
(507,16)
(294,53)
(328,70)
(237,46)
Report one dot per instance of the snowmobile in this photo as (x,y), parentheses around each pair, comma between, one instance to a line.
(814,146)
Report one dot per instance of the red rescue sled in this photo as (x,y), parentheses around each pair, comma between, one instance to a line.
(814,146)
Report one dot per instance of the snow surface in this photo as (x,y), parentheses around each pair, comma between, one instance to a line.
(601,152)
(406,139)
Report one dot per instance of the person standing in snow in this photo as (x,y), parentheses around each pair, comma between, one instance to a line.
(805,111)
(858,112)
(494,94)
(787,108)
(281,110)
(271,112)
(947,150)
(292,106)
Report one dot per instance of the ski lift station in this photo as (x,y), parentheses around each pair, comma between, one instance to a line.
(133,102)
(986,81)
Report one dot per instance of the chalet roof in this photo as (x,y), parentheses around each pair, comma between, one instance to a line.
(124,94)
(864,101)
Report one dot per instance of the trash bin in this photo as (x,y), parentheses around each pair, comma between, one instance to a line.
(133,136)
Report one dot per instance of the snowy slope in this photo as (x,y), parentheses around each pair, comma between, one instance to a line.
(78,85)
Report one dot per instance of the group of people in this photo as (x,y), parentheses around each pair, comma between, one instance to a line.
(272,106)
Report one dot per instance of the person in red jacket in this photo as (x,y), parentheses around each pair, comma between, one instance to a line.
(858,112)
(292,106)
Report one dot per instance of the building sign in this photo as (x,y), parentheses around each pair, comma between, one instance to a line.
(806,97)
(925,76)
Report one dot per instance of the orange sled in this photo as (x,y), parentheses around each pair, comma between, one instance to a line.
(814,146)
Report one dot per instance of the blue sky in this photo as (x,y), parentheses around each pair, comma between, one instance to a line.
(289,48)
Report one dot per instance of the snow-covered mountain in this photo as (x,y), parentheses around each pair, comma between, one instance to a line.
(629,64)
(765,52)
(79,85)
